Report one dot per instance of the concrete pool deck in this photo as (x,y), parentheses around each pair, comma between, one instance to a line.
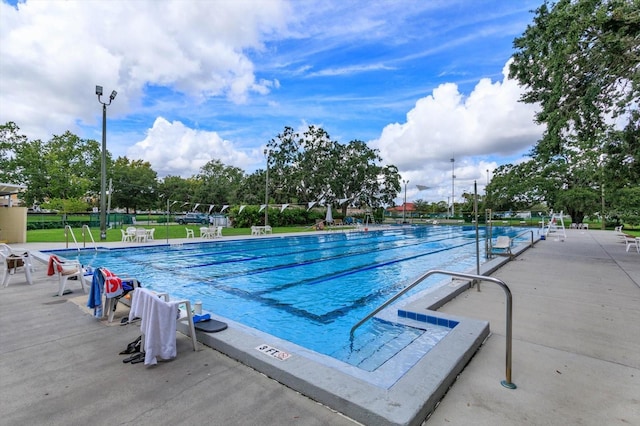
(576,349)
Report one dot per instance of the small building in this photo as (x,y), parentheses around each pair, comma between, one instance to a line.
(408,208)
(13,219)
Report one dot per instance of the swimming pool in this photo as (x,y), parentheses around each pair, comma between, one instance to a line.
(309,289)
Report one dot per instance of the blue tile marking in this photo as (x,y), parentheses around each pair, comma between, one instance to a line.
(429,319)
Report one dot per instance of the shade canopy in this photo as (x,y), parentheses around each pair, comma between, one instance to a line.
(10,188)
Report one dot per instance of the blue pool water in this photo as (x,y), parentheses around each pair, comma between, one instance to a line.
(308,289)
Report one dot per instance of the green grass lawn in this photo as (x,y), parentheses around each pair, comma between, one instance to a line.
(174,231)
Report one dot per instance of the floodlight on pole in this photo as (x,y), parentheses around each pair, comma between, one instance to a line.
(103,163)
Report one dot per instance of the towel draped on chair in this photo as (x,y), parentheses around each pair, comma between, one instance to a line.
(158,324)
(95,293)
(112,285)
(106,283)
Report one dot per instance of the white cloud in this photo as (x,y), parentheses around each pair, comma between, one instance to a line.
(55,52)
(174,149)
(446,124)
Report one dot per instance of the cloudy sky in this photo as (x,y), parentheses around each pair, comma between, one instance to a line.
(422,81)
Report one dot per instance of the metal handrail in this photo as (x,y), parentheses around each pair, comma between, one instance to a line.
(84,241)
(507,382)
(524,232)
(67,231)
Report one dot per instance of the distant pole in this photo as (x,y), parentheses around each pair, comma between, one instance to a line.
(475,215)
(404,206)
(603,224)
(266,191)
(109,200)
(453,196)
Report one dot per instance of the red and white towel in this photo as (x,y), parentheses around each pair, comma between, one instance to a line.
(112,284)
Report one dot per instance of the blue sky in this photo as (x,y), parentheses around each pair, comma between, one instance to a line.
(421,81)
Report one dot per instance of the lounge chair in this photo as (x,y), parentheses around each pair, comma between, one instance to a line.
(503,243)
(65,270)
(12,259)
(158,323)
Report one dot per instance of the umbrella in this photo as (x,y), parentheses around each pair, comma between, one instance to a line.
(329,217)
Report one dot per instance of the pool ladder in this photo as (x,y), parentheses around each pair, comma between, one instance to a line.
(85,230)
(477,278)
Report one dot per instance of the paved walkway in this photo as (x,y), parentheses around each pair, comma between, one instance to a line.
(576,339)
(576,355)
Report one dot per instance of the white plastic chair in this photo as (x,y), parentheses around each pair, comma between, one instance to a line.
(631,241)
(110,303)
(204,232)
(503,243)
(141,235)
(190,233)
(125,236)
(12,259)
(66,270)
(131,232)
(157,324)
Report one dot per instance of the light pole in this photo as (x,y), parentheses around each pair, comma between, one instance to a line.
(404,206)
(103,164)
(266,191)
(453,197)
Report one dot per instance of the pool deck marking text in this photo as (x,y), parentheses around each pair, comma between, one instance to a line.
(273,352)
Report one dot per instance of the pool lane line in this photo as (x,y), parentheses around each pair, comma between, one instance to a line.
(330,316)
(364,248)
(227,276)
(364,251)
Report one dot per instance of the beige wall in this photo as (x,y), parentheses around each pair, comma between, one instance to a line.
(13,224)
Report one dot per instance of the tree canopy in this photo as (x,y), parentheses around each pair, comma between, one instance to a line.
(579,61)
(303,168)
(310,167)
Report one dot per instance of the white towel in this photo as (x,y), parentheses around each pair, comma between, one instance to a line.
(158,324)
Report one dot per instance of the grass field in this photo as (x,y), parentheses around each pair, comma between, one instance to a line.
(173,230)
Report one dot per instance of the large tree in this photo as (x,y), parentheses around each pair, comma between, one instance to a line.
(312,167)
(134,184)
(66,167)
(579,62)
(217,184)
(10,138)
